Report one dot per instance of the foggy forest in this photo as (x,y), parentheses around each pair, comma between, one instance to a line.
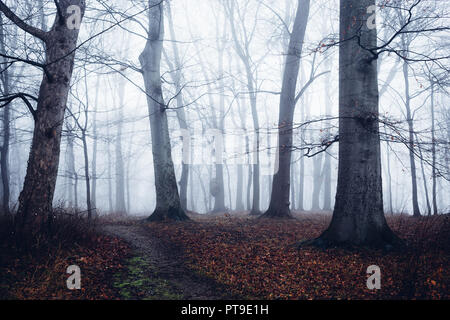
(224,149)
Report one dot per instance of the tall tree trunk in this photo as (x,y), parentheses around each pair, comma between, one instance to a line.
(35,200)
(120,206)
(358,217)
(292,183)
(301,184)
(415,202)
(317,182)
(389,174)
(425,186)
(6,132)
(109,166)
(181,114)
(128,170)
(86,173)
(94,149)
(279,200)
(70,168)
(433,153)
(239,189)
(219,196)
(168,205)
(243,53)
(249,186)
(327,164)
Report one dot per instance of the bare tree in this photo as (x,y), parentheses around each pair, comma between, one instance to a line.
(358,216)
(35,201)
(279,200)
(168,205)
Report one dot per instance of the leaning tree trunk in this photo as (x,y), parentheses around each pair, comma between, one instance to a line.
(358,217)
(168,205)
(279,200)
(35,200)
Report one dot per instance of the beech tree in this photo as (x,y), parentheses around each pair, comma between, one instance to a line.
(35,201)
(279,200)
(168,205)
(358,216)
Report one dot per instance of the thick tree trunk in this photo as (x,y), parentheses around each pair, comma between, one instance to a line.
(168,205)
(35,201)
(279,200)
(358,217)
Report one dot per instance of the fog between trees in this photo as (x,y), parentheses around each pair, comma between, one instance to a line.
(220,105)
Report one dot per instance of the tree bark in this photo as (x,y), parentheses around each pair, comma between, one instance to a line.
(327,164)
(433,153)
(6,132)
(86,173)
(120,206)
(94,149)
(409,119)
(358,217)
(317,182)
(389,175)
(181,114)
(279,200)
(35,200)
(168,205)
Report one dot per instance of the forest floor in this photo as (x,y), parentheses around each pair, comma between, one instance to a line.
(233,256)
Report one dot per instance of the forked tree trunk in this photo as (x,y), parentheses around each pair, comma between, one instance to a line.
(35,201)
(279,200)
(358,217)
(168,205)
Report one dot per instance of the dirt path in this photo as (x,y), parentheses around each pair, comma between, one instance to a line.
(158,272)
